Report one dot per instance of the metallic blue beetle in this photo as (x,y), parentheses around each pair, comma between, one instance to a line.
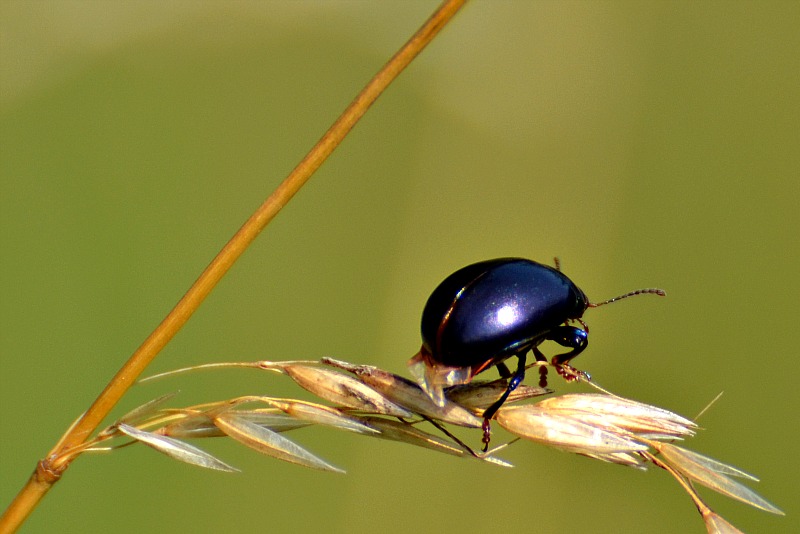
(489,311)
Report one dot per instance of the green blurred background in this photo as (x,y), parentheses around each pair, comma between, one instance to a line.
(644,143)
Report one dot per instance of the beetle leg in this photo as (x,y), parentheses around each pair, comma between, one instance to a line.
(503,370)
(515,381)
(543,376)
(571,374)
(571,337)
(578,340)
(539,356)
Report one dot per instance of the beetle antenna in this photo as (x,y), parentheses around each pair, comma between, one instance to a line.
(653,290)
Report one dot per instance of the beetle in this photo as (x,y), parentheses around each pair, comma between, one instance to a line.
(487,312)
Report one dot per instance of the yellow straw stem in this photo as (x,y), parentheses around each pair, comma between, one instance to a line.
(49,470)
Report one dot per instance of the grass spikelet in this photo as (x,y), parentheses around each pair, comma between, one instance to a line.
(369,401)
